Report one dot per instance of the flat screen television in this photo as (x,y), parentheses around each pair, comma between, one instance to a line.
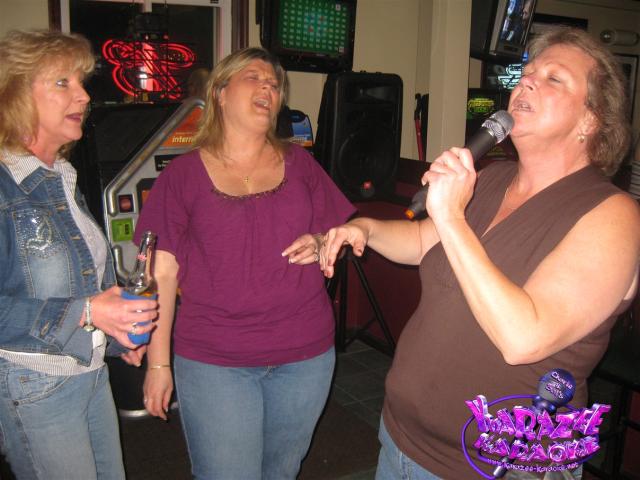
(309,35)
(500,28)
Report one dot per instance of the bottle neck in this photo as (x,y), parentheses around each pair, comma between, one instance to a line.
(140,277)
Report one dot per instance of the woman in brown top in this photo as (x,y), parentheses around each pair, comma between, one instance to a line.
(523,268)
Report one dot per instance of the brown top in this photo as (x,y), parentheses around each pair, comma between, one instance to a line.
(443,356)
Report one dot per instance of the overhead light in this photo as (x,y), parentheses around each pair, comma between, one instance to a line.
(619,37)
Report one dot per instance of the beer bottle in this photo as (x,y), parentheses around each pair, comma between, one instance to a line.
(140,283)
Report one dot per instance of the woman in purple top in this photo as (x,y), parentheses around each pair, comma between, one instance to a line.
(253,337)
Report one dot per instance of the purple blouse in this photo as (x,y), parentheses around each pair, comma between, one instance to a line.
(242,303)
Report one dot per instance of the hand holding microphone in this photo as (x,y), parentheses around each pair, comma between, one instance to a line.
(493,131)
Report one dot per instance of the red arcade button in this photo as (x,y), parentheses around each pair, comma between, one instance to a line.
(125,203)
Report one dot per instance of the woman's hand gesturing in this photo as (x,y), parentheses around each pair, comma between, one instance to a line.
(304,249)
(348,234)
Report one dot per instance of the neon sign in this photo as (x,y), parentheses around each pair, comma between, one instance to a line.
(148,67)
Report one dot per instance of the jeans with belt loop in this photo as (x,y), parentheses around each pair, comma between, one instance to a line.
(245,423)
(59,427)
(393,464)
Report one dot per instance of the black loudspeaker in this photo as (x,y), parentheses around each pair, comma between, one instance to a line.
(358,139)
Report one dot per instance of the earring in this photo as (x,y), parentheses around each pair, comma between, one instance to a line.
(581,137)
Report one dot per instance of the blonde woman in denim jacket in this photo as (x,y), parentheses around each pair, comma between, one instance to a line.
(58,307)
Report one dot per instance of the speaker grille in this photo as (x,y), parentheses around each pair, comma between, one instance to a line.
(358,140)
(364,163)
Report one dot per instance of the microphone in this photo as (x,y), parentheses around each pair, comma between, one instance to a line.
(555,389)
(494,130)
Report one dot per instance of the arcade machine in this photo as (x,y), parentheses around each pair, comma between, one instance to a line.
(124,196)
(124,150)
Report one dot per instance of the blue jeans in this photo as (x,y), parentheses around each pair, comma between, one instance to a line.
(254,422)
(55,428)
(395,465)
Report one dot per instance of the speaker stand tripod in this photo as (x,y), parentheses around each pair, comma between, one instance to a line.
(340,279)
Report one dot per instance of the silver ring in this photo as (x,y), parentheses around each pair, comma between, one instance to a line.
(316,257)
(134,328)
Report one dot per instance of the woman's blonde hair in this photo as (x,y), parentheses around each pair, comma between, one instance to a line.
(210,133)
(607,96)
(23,56)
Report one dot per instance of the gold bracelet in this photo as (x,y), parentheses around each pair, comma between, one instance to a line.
(151,367)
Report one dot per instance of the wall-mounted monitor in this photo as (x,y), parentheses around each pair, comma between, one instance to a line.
(499,29)
(506,75)
(309,35)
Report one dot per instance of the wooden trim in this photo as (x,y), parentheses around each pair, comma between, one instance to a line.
(54,14)
(239,24)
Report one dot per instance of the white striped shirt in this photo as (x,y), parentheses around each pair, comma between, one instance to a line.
(21,166)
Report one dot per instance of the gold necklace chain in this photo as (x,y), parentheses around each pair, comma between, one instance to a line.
(226,164)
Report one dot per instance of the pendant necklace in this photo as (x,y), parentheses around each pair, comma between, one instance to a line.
(225,163)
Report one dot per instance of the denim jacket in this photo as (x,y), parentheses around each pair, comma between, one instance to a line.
(46,269)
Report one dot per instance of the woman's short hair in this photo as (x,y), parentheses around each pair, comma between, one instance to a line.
(607,96)
(23,56)
(210,134)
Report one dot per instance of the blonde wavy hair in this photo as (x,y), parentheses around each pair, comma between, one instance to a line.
(23,56)
(210,135)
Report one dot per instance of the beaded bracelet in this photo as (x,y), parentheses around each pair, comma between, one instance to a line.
(88,325)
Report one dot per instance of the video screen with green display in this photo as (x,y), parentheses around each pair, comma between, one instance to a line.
(310,35)
(314,26)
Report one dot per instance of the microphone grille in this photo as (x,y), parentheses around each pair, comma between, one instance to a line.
(557,386)
(499,124)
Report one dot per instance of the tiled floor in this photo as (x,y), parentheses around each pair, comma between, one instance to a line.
(359,387)
(359,381)
(368,475)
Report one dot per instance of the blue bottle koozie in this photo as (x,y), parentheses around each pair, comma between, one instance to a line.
(140,283)
(143,338)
